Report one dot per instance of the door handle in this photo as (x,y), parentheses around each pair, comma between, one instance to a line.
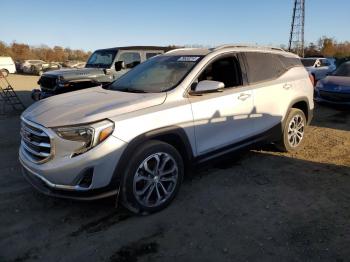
(243,96)
(287,86)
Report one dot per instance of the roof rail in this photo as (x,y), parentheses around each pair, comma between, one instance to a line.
(252,46)
(179,49)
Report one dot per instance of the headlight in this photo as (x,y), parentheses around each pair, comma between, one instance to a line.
(89,135)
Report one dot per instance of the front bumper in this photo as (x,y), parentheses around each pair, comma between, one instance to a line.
(62,174)
(332,98)
(53,190)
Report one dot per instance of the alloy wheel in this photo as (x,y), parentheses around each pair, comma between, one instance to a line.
(296,129)
(155,179)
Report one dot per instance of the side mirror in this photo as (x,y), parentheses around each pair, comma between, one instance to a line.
(208,86)
(119,65)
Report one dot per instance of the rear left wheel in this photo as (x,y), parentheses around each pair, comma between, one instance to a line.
(293,132)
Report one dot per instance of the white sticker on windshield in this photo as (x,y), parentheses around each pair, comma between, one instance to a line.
(188,58)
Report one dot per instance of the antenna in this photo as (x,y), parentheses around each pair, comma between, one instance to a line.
(296,39)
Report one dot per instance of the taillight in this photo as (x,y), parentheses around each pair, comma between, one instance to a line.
(312,79)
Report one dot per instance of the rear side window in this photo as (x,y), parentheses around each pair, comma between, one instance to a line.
(267,66)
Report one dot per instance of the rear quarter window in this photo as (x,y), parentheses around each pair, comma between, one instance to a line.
(267,66)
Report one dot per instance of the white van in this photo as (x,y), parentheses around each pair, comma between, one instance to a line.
(7,66)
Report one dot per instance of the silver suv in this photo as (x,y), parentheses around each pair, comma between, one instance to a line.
(136,137)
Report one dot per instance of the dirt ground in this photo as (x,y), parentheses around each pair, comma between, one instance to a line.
(258,205)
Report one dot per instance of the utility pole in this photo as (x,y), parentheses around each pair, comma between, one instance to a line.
(296,39)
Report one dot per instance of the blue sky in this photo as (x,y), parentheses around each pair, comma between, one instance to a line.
(97,24)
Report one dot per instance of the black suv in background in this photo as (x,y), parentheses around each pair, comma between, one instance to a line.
(103,67)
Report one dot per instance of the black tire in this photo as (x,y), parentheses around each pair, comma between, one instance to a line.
(129,187)
(285,144)
(5,72)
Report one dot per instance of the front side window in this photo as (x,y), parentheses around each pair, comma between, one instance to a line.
(101,59)
(130,59)
(225,70)
(156,75)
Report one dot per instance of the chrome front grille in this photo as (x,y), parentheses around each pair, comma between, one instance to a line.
(35,142)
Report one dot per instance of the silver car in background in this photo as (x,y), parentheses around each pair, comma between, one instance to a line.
(137,136)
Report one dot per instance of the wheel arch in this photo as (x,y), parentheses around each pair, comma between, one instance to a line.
(173,135)
(301,103)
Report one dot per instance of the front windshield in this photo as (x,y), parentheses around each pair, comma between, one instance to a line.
(343,70)
(101,59)
(157,74)
(308,62)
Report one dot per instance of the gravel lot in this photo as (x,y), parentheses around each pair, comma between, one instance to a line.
(258,205)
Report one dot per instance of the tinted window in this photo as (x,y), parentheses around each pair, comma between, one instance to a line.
(263,66)
(308,62)
(226,70)
(290,62)
(156,75)
(149,55)
(130,59)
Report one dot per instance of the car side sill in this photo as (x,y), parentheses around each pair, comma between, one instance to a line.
(270,135)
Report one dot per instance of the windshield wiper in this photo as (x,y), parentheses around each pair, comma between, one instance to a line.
(132,90)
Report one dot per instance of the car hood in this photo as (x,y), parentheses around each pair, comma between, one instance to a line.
(77,73)
(88,105)
(336,84)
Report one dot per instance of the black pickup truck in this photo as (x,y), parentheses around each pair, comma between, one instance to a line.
(103,67)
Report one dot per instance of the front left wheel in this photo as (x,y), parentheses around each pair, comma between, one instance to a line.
(152,178)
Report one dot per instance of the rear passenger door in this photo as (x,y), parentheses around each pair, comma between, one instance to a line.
(272,93)
(222,118)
